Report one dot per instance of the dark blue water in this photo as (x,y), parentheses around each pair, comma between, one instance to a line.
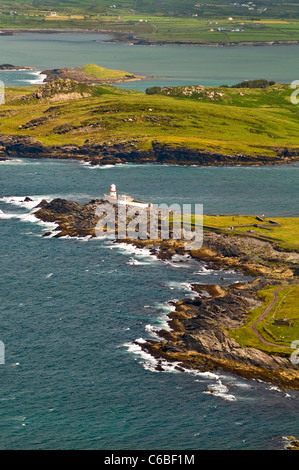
(72,309)
(173,65)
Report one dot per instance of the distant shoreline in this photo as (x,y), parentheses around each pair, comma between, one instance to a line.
(127,37)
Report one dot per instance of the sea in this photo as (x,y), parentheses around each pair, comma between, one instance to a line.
(75,312)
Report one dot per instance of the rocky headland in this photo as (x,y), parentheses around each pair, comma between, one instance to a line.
(15,67)
(199,328)
(79,74)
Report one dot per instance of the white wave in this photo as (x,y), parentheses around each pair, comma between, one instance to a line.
(186,286)
(4,215)
(81,239)
(39,80)
(153,330)
(151,363)
(102,167)
(203,271)
(218,389)
(275,388)
(161,320)
(12,161)
(130,249)
(135,262)
(175,264)
(165,307)
(21,201)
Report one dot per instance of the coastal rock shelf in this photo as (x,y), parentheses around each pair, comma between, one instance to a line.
(199,337)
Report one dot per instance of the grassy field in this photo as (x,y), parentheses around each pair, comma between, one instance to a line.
(282,231)
(167,21)
(103,73)
(286,307)
(285,234)
(240,121)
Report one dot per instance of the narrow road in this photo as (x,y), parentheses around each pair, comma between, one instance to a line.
(262,317)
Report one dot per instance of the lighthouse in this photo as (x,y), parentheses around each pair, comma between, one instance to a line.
(113,191)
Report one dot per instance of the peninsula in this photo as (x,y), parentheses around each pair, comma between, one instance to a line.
(246,328)
(91,74)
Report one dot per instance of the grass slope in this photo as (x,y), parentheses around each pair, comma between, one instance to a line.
(284,235)
(282,335)
(240,121)
(97,71)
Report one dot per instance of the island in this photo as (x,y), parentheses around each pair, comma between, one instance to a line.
(247,328)
(192,125)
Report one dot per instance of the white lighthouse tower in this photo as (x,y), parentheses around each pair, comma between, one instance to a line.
(113,191)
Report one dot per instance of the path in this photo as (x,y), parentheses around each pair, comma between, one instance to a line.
(262,317)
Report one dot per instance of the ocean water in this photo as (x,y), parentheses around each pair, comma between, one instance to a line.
(167,65)
(74,313)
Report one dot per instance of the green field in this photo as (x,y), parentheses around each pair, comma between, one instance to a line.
(285,234)
(286,308)
(247,121)
(167,21)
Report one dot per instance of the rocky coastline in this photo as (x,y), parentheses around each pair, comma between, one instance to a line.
(102,153)
(198,337)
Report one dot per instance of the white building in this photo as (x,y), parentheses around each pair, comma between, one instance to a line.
(113,191)
(114,198)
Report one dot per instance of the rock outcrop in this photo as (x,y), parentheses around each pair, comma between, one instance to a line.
(199,337)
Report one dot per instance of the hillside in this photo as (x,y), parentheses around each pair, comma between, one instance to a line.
(234,125)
